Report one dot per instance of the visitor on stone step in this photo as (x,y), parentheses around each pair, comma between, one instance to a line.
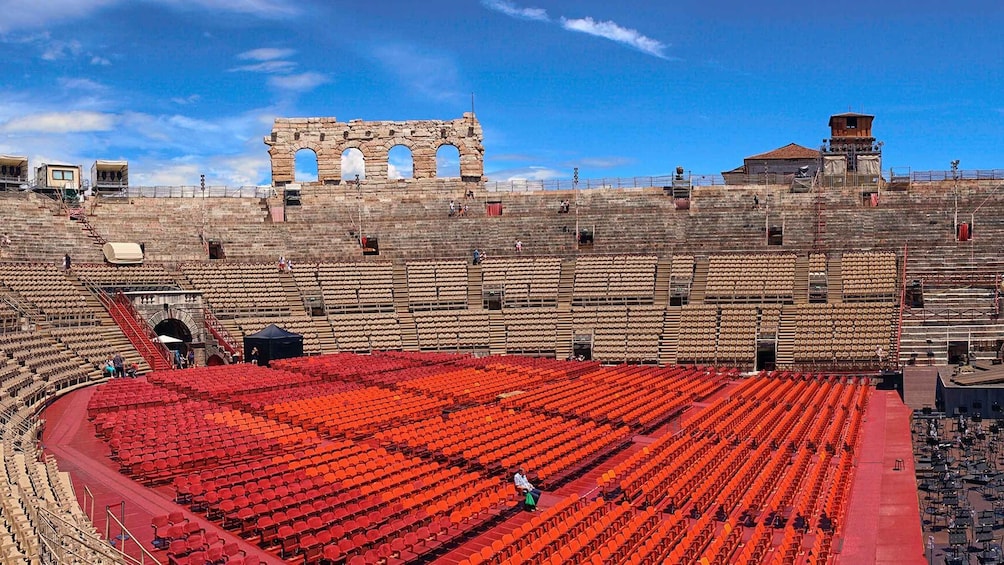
(191,358)
(282,263)
(453,208)
(119,363)
(109,369)
(66,262)
(5,240)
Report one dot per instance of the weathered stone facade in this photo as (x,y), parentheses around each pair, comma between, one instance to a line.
(329,138)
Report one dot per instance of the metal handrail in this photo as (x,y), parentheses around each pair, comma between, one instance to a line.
(219,332)
(124,536)
(141,326)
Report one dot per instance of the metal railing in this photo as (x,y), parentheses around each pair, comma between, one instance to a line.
(192,192)
(219,332)
(975,174)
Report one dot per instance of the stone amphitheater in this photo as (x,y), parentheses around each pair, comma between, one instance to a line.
(812,282)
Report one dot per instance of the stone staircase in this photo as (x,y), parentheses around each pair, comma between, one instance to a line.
(401,288)
(801,288)
(663,270)
(409,331)
(496,330)
(137,333)
(293,295)
(563,335)
(475,300)
(669,339)
(785,355)
(566,285)
(700,284)
(834,282)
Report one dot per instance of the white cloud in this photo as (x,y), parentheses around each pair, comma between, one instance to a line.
(267,67)
(612,31)
(260,8)
(55,50)
(527,173)
(61,122)
(101,61)
(353,164)
(266,54)
(81,84)
(602,162)
(298,83)
(186,100)
(18,16)
(511,10)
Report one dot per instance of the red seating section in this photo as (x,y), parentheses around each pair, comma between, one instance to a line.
(331,460)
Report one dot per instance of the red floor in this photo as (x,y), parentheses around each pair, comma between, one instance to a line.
(883,518)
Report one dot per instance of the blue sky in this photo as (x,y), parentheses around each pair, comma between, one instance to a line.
(183,87)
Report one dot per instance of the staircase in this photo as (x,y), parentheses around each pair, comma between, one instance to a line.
(496,329)
(662,274)
(700,281)
(819,228)
(292,294)
(138,333)
(409,333)
(563,335)
(474,288)
(401,289)
(801,289)
(81,217)
(786,336)
(566,284)
(224,339)
(106,328)
(834,282)
(670,337)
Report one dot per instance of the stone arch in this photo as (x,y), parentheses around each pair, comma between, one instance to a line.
(448,159)
(305,166)
(400,162)
(181,316)
(329,138)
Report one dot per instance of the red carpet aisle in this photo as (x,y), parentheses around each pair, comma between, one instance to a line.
(883,517)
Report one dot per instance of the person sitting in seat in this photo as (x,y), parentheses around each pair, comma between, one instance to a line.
(825,523)
(531,494)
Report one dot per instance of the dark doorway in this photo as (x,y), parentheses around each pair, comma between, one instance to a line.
(175,328)
(492,298)
(958,352)
(775,235)
(216,250)
(766,355)
(582,347)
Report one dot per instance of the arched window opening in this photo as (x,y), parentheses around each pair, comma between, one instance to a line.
(305,168)
(447,162)
(400,164)
(353,163)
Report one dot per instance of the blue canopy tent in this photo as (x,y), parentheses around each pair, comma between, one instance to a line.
(273,342)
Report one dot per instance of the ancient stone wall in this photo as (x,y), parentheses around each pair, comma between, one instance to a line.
(329,138)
